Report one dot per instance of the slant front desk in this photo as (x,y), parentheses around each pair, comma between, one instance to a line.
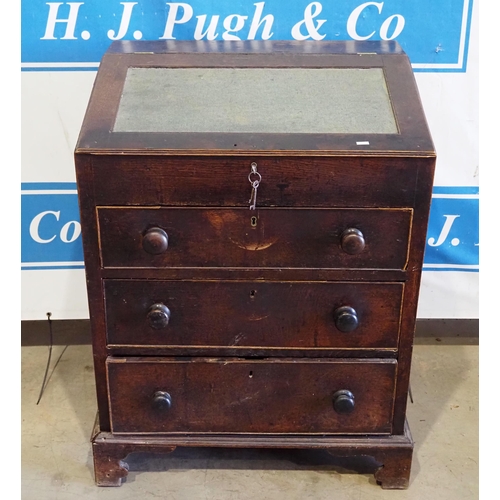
(254,218)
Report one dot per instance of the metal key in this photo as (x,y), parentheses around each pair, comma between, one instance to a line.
(254,178)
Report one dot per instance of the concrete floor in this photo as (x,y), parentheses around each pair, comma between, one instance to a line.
(57,462)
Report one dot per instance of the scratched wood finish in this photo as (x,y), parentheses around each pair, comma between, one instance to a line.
(302,238)
(194,173)
(268,274)
(287,181)
(253,352)
(230,396)
(252,313)
(392,453)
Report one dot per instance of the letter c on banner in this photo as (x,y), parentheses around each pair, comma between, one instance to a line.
(353,20)
(35,224)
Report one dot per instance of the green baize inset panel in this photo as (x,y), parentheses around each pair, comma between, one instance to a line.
(256,100)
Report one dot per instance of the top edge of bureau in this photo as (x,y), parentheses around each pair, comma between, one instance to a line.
(316,98)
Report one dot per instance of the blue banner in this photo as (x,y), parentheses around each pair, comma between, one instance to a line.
(75,35)
(453,232)
(51,232)
(50,226)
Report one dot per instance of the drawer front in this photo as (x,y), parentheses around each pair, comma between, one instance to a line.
(306,181)
(273,238)
(253,314)
(301,181)
(154,395)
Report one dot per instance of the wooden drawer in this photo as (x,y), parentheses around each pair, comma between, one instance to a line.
(253,314)
(240,238)
(159,395)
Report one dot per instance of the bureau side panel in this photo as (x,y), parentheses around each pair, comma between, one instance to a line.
(88,219)
(421,207)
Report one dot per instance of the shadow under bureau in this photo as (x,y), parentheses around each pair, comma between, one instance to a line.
(254,218)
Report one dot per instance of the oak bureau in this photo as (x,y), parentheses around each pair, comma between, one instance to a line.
(254,218)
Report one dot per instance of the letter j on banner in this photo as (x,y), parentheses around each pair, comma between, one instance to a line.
(453,233)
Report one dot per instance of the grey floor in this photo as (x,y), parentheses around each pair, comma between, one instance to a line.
(57,462)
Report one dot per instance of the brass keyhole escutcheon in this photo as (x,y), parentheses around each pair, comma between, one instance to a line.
(253,221)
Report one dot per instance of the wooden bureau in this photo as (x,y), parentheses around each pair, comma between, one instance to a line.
(254,218)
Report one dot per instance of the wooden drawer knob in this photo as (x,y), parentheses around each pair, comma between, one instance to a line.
(343,401)
(162,400)
(352,241)
(158,316)
(155,241)
(346,319)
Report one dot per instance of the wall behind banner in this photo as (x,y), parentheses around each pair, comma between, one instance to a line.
(62,43)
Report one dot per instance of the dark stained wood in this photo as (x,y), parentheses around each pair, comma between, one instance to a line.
(96,134)
(90,238)
(427,331)
(288,326)
(410,302)
(287,181)
(394,473)
(253,352)
(260,274)
(280,238)
(109,466)
(155,241)
(251,47)
(352,241)
(265,396)
(252,314)
(393,453)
